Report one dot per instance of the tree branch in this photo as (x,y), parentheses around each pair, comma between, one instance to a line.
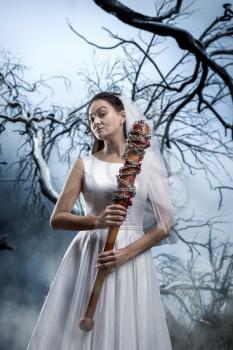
(184,39)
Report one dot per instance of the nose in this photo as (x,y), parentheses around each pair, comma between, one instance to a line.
(96,123)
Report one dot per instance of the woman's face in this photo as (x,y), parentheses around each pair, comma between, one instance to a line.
(104,119)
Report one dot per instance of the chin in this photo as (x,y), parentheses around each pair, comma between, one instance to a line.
(102,137)
(105,135)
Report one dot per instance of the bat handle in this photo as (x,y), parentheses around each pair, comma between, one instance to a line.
(86,324)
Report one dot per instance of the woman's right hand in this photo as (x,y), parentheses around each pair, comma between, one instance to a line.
(112,215)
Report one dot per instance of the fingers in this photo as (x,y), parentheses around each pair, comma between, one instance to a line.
(117,221)
(107,253)
(105,266)
(117,208)
(106,260)
(116,217)
(115,214)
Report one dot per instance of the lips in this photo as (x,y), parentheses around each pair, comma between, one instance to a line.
(98,130)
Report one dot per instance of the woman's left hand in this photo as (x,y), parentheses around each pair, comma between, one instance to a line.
(112,259)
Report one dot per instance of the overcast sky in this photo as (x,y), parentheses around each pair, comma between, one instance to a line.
(37,33)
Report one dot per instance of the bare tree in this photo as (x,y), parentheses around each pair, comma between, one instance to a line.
(39,129)
(163,24)
(183,106)
(189,110)
(188,118)
(201,288)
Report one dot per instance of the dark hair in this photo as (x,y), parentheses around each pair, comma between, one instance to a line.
(111,97)
(116,103)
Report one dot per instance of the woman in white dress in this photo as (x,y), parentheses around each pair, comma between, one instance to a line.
(129,312)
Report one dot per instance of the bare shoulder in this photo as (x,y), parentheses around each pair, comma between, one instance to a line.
(74,179)
(77,167)
(79,163)
(76,170)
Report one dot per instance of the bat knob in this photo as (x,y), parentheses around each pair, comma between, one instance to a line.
(86,324)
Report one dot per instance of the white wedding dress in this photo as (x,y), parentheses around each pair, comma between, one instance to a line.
(129,312)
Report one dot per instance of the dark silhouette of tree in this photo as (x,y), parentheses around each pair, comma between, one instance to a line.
(39,129)
(186,109)
(189,119)
(162,24)
(187,102)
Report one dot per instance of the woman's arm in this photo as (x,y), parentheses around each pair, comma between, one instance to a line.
(155,234)
(62,218)
(148,240)
(116,257)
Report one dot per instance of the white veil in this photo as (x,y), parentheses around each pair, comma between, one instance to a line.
(158,208)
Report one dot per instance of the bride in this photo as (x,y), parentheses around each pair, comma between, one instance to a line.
(129,312)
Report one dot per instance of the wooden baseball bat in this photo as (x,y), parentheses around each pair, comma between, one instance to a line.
(137,140)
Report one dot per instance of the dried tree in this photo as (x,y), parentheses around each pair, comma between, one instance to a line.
(40,130)
(163,24)
(186,110)
(203,290)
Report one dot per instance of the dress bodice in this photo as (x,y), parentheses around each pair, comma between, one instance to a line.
(99,183)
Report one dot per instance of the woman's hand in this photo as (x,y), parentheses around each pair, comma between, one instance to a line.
(112,215)
(112,259)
